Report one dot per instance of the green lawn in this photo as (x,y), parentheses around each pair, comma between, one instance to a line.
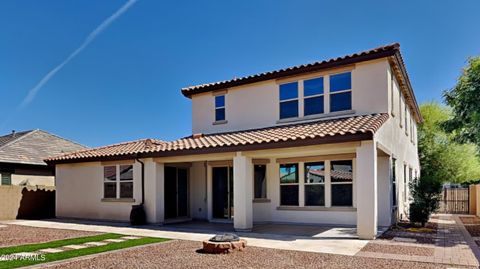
(71,253)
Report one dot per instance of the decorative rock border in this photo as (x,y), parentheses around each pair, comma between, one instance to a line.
(224,247)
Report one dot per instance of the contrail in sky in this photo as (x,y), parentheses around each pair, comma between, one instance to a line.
(100,28)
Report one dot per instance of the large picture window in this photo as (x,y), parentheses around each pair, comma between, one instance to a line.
(260,184)
(289,186)
(315,184)
(341,174)
(313,96)
(289,100)
(118,181)
(341,92)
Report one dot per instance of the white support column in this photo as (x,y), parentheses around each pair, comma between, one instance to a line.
(154,194)
(366,175)
(242,193)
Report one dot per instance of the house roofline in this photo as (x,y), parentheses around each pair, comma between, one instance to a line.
(360,136)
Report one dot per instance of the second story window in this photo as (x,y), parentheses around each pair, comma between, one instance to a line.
(289,100)
(220,108)
(313,96)
(341,92)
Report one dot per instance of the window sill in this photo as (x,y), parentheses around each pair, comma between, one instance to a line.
(318,116)
(318,208)
(119,200)
(220,122)
(261,200)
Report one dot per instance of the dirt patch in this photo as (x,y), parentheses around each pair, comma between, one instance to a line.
(396,249)
(13,235)
(470,220)
(474,230)
(183,254)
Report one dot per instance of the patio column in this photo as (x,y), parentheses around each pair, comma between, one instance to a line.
(242,193)
(366,176)
(154,195)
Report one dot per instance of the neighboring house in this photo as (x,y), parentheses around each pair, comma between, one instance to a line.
(331,142)
(22,155)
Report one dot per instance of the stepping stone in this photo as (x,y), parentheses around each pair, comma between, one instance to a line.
(96,244)
(51,250)
(131,237)
(75,246)
(3,226)
(405,240)
(114,240)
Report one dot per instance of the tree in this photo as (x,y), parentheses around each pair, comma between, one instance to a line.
(441,156)
(464,98)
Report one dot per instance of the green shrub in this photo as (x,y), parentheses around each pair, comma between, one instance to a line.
(425,193)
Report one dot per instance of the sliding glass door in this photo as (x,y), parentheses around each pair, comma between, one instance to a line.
(176,192)
(222,192)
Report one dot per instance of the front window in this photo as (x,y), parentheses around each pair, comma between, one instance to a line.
(342,183)
(260,181)
(313,96)
(289,100)
(118,181)
(6,179)
(341,92)
(220,108)
(315,184)
(289,184)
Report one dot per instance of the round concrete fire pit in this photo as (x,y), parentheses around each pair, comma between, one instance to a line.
(224,243)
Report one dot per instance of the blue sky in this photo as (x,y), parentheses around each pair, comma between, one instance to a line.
(126,83)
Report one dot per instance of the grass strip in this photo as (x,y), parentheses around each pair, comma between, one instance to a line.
(58,243)
(81,252)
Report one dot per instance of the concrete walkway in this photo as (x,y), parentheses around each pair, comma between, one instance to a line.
(330,240)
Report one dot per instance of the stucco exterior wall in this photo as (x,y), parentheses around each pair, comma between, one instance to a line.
(80,192)
(257,105)
(33,180)
(198,191)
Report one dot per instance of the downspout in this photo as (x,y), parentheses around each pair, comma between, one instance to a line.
(137,214)
(143,180)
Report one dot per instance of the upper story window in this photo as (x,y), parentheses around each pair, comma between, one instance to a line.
(313,96)
(220,108)
(341,92)
(406,119)
(289,100)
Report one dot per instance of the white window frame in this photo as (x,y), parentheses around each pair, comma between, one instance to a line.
(342,91)
(220,107)
(117,181)
(305,183)
(288,100)
(290,184)
(315,95)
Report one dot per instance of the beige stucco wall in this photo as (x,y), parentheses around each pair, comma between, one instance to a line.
(257,105)
(33,180)
(80,192)
(10,197)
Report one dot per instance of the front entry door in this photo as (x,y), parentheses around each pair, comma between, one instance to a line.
(222,192)
(176,192)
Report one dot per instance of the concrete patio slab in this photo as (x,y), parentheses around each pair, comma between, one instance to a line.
(51,250)
(321,239)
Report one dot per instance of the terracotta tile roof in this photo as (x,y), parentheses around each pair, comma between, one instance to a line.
(380,52)
(31,147)
(323,131)
(392,51)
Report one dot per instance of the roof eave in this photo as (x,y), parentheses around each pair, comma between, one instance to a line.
(359,136)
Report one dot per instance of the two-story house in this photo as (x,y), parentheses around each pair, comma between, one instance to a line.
(331,142)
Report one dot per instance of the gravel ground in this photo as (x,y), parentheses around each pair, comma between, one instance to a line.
(474,230)
(13,235)
(397,249)
(470,220)
(184,254)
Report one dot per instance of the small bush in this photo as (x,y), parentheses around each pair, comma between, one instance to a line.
(425,198)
